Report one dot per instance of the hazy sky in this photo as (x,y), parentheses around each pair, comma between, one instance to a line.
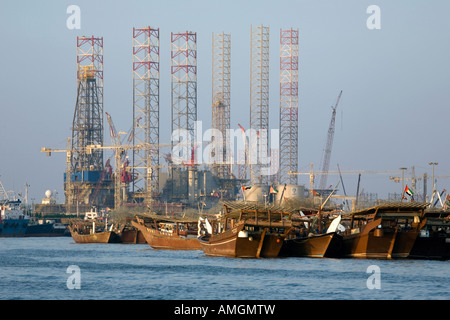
(393,112)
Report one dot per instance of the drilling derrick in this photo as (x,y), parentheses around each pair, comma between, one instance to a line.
(259,102)
(288,105)
(87,124)
(146,112)
(86,163)
(221,87)
(184,111)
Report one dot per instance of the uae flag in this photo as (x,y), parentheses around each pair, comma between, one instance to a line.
(246,187)
(273,190)
(408,191)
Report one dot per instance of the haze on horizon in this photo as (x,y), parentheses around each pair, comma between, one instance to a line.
(393,112)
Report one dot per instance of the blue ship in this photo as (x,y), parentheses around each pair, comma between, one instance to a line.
(47,229)
(13,219)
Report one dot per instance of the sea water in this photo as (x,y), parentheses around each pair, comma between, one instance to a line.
(59,268)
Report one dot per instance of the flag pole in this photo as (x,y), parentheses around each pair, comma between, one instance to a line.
(403,182)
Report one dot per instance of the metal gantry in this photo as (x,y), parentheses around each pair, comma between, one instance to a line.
(84,168)
(221,94)
(184,81)
(259,103)
(184,98)
(146,111)
(288,106)
(87,128)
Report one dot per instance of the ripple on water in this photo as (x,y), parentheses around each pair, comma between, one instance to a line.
(36,268)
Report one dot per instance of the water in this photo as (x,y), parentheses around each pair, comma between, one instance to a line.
(36,268)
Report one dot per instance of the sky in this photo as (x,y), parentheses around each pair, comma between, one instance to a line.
(395,80)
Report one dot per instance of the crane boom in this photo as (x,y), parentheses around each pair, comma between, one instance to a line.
(329,145)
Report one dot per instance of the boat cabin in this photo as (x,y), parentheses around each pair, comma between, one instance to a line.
(391,216)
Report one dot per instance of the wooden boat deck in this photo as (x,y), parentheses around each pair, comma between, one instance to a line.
(182,237)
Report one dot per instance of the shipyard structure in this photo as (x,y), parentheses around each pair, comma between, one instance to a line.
(139,172)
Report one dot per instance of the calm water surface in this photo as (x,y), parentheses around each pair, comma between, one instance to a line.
(36,268)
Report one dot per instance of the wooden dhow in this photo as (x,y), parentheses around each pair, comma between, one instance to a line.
(307,241)
(433,241)
(169,233)
(385,231)
(93,232)
(245,231)
(314,235)
(129,233)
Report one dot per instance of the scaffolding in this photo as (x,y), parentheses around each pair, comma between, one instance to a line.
(87,126)
(259,102)
(84,177)
(221,89)
(145,112)
(184,102)
(288,106)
